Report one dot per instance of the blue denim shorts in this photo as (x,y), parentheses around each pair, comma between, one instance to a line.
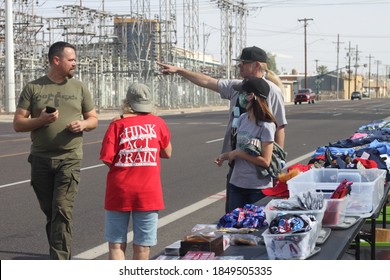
(144,227)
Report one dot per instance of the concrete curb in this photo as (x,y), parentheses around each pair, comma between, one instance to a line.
(109,114)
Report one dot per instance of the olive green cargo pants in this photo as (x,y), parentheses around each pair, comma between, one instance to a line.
(55,183)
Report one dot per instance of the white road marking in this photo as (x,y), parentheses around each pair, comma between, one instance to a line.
(28,181)
(13,184)
(299,159)
(215,140)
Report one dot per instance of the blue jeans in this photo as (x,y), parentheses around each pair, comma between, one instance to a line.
(238,197)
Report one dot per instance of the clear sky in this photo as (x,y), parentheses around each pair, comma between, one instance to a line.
(274,26)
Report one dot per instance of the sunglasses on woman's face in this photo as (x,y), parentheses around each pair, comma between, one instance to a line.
(241,63)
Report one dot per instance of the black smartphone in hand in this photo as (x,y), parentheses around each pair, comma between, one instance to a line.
(50,109)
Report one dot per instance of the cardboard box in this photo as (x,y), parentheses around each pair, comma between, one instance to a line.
(215,245)
(382,235)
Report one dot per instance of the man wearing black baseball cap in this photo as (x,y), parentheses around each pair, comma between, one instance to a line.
(253,54)
(252,63)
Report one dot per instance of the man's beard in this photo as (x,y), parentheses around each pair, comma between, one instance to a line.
(71,74)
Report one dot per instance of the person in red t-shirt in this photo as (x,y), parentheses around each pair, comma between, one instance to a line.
(132,148)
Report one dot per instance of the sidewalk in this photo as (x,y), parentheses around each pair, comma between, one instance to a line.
(109,114)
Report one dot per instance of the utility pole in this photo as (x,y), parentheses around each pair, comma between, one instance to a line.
(369,74)
(349,70)
(229,53)
(377,78)
(205,40)
(305,20)
(338,66)
(356,65)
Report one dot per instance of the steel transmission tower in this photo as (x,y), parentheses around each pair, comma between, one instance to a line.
(168,30)
(241,13)
(233,29)
(140,11)
(191,42)
(168,96)
(191,30)
(226,7)
(20,28)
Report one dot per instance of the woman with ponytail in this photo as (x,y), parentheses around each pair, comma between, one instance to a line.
(257,124)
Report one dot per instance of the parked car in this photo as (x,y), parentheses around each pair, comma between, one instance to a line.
(305,95)
(356,95)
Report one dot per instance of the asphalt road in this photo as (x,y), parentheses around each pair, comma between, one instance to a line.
(193,185)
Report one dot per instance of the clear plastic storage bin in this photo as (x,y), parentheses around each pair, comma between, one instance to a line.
(366,191)
(336,210)
(290,245)
(270,213)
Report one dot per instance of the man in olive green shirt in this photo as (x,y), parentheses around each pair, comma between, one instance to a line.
(57,139)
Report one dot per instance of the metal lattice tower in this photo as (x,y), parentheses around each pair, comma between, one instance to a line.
(191,42)
(28,62)
(140,11)
(233,29)
(226,7)
(241,12)
(191,31)
(168,95)
(168,29)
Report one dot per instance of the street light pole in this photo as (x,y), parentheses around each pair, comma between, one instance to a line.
(349,71)
(316,60)
(305,20)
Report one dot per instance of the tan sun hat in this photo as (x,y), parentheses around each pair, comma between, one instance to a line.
(139,98)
